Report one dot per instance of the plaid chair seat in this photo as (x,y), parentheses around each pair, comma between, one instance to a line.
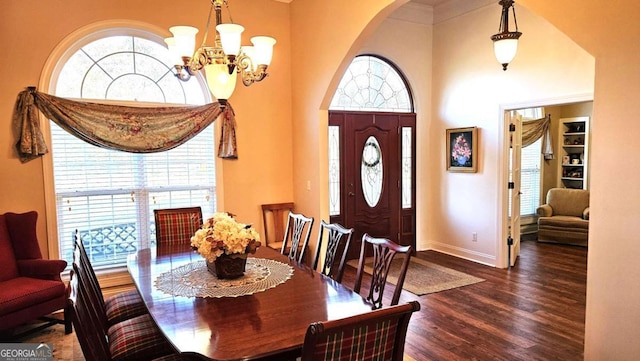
(137,339)
(124,306)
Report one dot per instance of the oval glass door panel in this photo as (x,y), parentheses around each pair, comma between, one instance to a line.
(371,171)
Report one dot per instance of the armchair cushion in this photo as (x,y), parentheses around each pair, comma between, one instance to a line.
(22,230)
(23,292)
(46,269)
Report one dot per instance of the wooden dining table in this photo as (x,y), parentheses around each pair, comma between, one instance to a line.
(266,325)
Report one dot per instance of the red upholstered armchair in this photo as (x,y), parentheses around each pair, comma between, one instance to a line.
(30,287)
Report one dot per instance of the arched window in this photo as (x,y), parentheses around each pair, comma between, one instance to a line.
(109,196)
(372,84)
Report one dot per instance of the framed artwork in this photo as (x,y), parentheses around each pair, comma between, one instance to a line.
(462,150)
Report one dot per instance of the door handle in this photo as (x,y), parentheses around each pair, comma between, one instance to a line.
(351,194)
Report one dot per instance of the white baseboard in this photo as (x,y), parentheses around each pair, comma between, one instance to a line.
(470,255)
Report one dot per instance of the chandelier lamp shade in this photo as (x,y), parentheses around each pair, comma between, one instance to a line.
(225,60)
(505,42)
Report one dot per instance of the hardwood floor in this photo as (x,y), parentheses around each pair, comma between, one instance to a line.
(533,311)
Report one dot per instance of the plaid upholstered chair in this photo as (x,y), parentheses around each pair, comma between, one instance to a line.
(338,239)
(137,338)
(384,252)
(117,308)
(377,335)
(175,227)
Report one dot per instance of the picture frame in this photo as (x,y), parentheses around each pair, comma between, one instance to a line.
(462,149)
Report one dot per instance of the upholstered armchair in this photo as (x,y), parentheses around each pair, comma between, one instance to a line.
(565,217)
(30,287)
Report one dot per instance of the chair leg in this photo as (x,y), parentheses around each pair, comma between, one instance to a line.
(68,326)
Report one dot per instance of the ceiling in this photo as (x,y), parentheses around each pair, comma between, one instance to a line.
(430,2)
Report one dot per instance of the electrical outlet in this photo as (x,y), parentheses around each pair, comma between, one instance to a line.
(474,237)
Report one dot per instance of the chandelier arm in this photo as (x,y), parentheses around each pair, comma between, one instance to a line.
(206,29)
(515,21)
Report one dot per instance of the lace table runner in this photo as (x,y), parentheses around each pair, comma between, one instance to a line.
(194,280)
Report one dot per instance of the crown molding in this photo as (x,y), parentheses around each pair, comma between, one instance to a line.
(415,13)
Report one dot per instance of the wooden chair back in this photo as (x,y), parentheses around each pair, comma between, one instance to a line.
(274,219)
(86,321)
(175,227)
(338,238)
(384,251)
(377,335)
(296,236)
(89,286)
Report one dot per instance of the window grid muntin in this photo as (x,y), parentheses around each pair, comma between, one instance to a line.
(407,167)
(371,83)
(334,170)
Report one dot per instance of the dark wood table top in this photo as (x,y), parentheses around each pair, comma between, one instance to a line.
(266,325)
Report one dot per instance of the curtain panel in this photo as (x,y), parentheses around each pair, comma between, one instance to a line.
(117,127)
(533,130)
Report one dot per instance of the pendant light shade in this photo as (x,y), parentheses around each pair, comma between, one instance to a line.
(505,43)
(220,82)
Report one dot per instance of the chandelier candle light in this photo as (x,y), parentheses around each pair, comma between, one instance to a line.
(225,59)
(505,43)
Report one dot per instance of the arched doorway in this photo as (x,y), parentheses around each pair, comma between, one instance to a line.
(372,153)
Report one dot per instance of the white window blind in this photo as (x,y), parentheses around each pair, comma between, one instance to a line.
(109,196)
(530,178)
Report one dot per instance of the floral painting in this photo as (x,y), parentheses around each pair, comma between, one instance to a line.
(461,152)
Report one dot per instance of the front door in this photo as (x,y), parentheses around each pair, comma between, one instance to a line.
(372,176)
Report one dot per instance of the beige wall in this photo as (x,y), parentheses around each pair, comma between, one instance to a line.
(32,29)
(471,89)
(610,32)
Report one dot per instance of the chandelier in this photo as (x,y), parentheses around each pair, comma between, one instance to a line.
(223,61)
(505,43)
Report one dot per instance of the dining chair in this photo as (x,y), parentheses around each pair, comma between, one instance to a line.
(384,251)
(274,219)
(376,335)
(338,238)
(175,227)
(296,236)
(138,338)
(117,308)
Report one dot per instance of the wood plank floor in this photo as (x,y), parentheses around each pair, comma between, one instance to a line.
(533,311)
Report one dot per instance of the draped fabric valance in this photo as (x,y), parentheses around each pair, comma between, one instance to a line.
(532,130)
(117,127)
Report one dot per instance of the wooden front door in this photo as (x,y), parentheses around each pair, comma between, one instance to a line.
(371,176)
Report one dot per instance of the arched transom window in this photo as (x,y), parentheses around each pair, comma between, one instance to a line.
(372,84)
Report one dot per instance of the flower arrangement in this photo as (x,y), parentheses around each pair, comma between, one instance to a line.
(222,234)
(461,149)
